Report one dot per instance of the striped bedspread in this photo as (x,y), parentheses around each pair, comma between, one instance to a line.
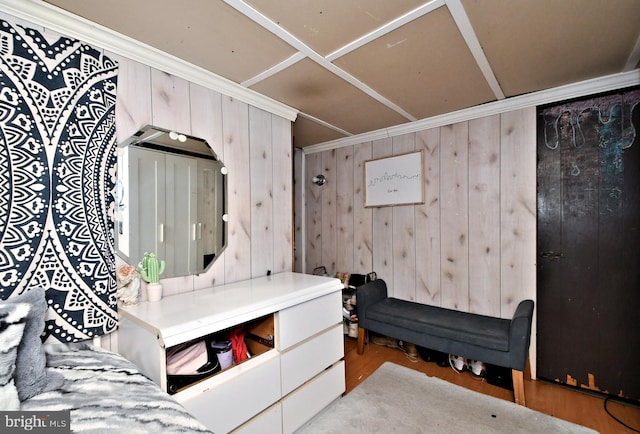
(107,394)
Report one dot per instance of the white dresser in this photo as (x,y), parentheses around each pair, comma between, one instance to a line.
(283,384)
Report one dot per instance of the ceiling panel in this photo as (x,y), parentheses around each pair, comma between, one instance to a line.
(207,33)
(326,25)
(538,44)
(433,70)
(321,94)
(307,132)
(399,60)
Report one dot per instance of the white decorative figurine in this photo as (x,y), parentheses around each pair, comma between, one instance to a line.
(128,285)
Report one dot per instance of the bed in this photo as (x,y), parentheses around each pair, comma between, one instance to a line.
(99,390)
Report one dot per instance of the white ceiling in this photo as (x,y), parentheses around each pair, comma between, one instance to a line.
(353,66)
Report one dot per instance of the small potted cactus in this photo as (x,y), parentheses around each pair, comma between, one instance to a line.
(150,270)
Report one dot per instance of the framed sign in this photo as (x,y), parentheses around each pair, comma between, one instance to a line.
(394,180)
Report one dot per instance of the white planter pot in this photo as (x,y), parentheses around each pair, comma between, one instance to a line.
(154,291)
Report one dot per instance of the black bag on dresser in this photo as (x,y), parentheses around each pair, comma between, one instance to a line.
(190,362)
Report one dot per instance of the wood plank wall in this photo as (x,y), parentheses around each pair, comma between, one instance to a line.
(254,145)
(470,246)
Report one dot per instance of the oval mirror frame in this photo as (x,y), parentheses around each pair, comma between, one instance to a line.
(171,200)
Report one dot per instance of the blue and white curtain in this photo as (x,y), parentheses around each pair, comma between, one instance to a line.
(57,175)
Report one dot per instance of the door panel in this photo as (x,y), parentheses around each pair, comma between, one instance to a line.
(589,243)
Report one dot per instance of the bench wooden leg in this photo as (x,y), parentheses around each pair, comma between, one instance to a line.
(361,338)
(518,386)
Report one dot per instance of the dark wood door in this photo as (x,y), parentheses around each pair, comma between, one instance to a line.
(589,243)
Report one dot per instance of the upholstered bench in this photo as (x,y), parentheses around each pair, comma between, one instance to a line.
(501,342)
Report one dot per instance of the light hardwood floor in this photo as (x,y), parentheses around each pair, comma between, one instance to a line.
(575,406)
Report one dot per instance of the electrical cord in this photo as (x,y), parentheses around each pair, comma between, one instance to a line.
(606,409)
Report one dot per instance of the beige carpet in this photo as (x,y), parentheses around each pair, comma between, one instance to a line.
(395,399)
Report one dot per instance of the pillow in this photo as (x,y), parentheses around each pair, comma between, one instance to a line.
(13,318)
(31,376)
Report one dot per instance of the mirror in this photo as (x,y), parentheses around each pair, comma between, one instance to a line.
(170,200)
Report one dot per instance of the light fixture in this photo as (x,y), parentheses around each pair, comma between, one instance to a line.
(319,180)
(177,136)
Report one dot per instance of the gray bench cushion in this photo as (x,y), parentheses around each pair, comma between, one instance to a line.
(449,324)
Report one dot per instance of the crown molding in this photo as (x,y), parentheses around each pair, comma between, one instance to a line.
(561,93)
(63,22)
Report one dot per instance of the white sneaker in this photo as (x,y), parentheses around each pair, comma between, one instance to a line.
(476,367)
(458,363)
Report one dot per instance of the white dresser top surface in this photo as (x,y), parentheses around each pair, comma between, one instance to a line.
(181,317)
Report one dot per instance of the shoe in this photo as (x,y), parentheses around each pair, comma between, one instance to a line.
(458,363)
(476,367)
(353,330)
(410,350)
(384,341)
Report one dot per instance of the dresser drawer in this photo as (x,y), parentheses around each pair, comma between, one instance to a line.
(269,421)
(297,323)
(304,361)
(301,405)
(232,397)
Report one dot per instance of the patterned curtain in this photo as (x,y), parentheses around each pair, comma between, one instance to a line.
(57,175)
